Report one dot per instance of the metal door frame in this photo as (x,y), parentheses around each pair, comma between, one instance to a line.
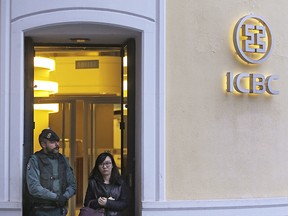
(29,101)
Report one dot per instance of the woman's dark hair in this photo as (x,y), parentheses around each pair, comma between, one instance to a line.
(95,173)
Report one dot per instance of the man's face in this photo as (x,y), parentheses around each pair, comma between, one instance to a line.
(51,147)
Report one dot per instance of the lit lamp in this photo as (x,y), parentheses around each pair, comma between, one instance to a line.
(42,62)
(50,108)
(43,88)
(125,61)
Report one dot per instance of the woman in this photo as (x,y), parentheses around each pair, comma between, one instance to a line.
(106,189)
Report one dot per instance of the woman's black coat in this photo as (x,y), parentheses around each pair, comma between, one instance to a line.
(119,192)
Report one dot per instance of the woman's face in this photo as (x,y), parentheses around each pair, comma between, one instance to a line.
(106,166)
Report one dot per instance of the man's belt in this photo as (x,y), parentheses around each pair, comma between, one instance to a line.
(46,207)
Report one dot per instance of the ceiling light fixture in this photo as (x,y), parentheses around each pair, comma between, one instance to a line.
(46,87)
(79,40)
(125,61)
(43,62)
(50,108)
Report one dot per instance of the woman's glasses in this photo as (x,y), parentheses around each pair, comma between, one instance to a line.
(106,164)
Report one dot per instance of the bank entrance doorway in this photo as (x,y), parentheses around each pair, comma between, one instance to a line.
(86,94)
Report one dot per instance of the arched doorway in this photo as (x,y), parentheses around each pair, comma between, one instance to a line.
(80,108)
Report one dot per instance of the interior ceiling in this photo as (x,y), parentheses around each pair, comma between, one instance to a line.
(81,50)
(97,34)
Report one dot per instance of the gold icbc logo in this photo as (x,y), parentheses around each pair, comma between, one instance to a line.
(252,39)
(253,43)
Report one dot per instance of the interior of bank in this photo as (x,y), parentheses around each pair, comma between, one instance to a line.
(79,92)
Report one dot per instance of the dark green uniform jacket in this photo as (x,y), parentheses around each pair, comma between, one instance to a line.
(49,176)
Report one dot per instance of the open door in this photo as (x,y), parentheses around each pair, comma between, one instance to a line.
(128,119)
(28,114)
(82,114)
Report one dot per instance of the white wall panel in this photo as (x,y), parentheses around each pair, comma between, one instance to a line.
(22,8)
(253,207)
(4,98)
(147,74)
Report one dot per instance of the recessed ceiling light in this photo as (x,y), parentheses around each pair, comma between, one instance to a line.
(79,40)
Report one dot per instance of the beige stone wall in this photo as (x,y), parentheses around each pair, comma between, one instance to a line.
(220,145)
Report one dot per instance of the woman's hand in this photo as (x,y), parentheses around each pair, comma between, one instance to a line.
(102,201)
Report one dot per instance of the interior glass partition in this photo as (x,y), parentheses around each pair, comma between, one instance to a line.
(86,128)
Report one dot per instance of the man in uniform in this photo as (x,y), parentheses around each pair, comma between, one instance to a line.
(50,179)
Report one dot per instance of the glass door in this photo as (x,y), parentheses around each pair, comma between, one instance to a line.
(28,117)
(60,116)
(101,132)
(86,127)
(128,119)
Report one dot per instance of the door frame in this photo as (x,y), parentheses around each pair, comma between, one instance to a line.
(29,123)
(150,96)
(129,47)
(28,116)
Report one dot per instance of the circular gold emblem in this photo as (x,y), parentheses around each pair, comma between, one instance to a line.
(252,39)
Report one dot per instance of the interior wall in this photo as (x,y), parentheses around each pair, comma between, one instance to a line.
(103,80)
(104,125)
(41,122)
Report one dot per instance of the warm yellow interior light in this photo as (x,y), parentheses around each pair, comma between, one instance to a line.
(125,85)
(46,86)
(51,108)
(125,61)
(43,62)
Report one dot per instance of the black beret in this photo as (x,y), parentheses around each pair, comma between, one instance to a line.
(49,135)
